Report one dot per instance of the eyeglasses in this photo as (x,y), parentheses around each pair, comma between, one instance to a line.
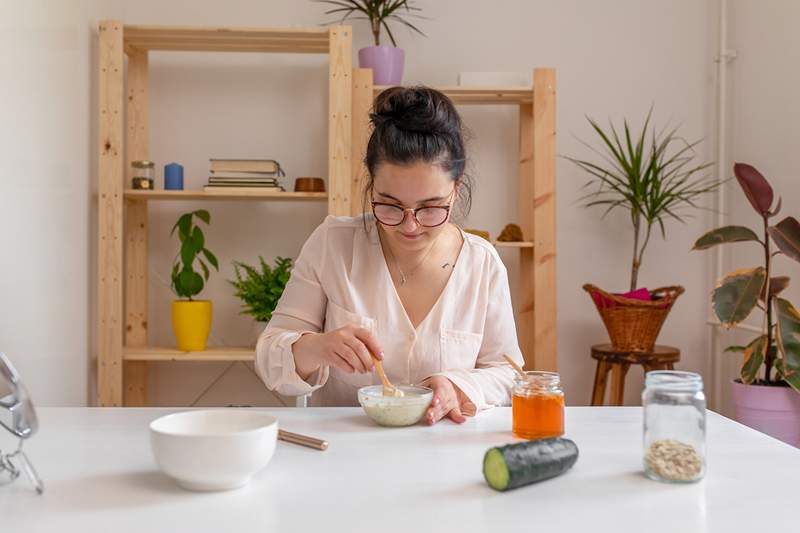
(394,215)
(18,416)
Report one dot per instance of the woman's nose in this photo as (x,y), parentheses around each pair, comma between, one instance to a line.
(409,222)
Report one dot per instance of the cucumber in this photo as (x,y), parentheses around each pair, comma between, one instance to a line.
(514,465)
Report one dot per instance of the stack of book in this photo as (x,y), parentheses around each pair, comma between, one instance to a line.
(236,175)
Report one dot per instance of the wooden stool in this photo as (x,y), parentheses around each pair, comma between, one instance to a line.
(610,360)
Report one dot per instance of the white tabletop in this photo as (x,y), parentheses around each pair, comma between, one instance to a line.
(100,476)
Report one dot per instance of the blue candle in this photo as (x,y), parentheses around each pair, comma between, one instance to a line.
(173,177)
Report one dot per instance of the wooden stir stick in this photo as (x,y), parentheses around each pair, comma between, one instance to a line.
(516,367)
(388,388)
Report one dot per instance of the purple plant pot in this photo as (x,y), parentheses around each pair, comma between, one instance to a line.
(771,410)
(386,63)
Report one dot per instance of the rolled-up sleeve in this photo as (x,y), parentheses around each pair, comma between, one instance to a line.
(300,310)
(490,383)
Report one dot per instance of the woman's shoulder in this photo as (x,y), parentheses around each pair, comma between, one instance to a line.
(337,231)
(483,251)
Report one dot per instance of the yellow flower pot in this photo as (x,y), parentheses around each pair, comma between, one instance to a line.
(191,322)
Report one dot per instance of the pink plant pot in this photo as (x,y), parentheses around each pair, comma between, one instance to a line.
(771,410)
(386,63)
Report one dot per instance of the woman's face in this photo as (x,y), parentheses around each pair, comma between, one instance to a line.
(413,186)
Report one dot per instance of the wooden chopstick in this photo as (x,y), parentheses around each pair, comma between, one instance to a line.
(516,367)
(302,440)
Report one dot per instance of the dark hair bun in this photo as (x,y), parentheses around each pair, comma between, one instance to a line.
(418,124)
(416,110)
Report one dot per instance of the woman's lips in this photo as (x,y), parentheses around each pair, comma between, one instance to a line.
(411,236)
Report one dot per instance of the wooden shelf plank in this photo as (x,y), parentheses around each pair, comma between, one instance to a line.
(135,194)
(216,353)
(513,244)
(482,95)
(224,39)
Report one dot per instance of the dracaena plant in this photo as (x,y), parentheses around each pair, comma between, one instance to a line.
(185,281)
(378,12)
(651,175)
(261,287)
(774,356)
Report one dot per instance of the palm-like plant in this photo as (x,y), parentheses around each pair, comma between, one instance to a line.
(651,175)
(377,12)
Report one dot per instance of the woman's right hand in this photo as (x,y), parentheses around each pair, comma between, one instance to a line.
(347,348)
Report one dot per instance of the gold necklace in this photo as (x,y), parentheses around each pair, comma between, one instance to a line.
(403,277)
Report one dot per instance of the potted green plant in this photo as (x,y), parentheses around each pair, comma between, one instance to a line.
(191,319)
(386,62)
(763,394)
(653,177)
(260,288)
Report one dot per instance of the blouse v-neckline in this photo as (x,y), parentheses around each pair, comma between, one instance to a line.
(396,295)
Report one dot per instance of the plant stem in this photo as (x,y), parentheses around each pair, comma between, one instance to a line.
(768,357)
(637,222)
(376,31)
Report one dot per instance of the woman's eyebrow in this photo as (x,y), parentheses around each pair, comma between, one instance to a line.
(434,199)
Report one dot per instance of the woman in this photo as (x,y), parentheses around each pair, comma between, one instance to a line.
(403,283)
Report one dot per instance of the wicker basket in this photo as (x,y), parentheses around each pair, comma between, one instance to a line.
(633,325)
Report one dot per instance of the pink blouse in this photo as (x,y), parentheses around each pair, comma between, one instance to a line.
(341,278)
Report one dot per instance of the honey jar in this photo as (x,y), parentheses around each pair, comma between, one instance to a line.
(537,406)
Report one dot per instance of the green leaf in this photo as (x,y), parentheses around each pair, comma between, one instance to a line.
(792,377)
(725,235)
(206,273)
(183,223)
(211,258)
(735,349)
(198,240)
(203,215)
(753,359)
(788,333)
(191,282)
(786,235)
(188,253)
(737,294)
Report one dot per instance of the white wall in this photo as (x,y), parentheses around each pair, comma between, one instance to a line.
(614,59)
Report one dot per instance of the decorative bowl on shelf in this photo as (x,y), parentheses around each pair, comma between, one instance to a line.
(309,185)
(214,449)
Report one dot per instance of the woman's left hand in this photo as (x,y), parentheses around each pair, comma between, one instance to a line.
(447,401)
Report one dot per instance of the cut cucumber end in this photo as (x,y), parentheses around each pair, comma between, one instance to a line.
(495,469)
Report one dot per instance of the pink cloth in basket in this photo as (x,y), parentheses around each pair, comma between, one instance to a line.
(606,303)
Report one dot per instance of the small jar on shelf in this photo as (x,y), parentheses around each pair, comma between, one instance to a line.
(674,426)
(143,174)
(537,406)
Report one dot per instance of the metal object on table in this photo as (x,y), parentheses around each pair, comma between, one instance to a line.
(302,440)
(20,420)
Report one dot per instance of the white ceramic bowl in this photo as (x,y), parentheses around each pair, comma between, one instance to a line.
(218,449)
(395,411)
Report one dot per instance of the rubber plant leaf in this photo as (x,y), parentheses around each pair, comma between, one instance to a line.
(755,187)
(725,235)
(737,294)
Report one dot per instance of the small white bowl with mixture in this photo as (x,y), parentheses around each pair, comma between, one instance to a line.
(217,449)
(395,411)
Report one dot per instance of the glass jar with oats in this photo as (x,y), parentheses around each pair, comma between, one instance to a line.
(674,426)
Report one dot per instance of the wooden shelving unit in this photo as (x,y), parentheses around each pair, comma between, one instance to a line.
(146,196)
(158,353)
(536,320)
(122,345)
